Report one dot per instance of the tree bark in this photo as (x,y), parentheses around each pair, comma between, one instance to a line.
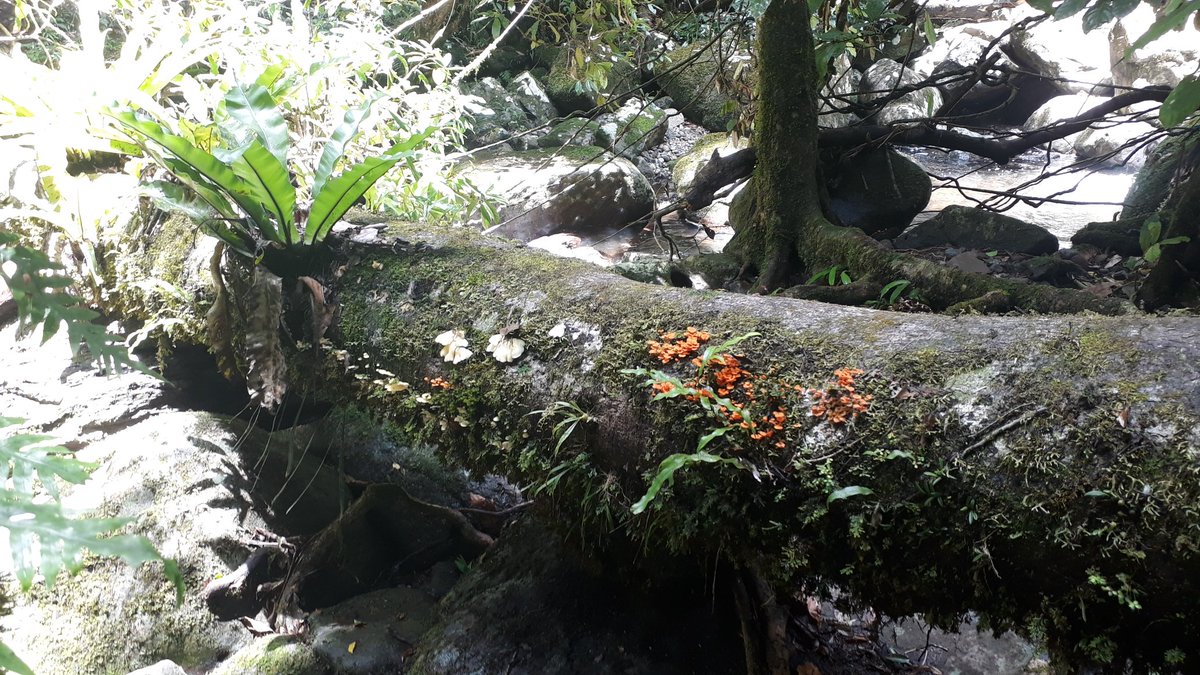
(1046,465)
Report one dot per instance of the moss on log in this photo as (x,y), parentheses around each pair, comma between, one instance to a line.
(1038,470)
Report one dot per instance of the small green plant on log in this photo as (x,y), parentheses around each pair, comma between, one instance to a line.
(243,193)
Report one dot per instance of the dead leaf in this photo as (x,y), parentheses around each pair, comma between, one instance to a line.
(1123,417)
(217,324)
(814,609)
(1102,289)
(257,627)
(352,646)
(807,669)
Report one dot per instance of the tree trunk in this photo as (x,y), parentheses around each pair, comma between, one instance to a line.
(1045,465)
(788,235)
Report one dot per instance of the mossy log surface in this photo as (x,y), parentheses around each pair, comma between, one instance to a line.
(1040,470)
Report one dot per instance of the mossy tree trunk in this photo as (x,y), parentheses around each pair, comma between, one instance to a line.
(1175,278)
(789,234)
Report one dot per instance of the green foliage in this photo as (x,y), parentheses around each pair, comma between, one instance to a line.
(847,492)
(1151,241)
(1181,102)
(833,275)
(673,463)
(568,416)
(245,196)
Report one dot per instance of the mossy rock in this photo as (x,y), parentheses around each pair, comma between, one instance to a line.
(684,170)
(1153,182)
(1117,236)
(691,85)
(576,131)
(634,128)
(565,91)
(978,229)
(274,655)
(876,190)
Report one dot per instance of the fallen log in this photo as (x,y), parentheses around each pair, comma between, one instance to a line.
(1036,470)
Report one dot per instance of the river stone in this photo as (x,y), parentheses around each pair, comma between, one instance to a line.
(632,129)
(877,190)
(582,191)
(274,655)
(691,85)
(183,479)
(969,651)
(975,228)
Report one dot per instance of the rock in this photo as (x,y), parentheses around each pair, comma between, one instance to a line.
(962,10)
(503,60)
(1061,51)
(1164,61)
(502,113)
(576,131)
(886,75)
(877,190)
(1050,269)
(975,228)
(1058,109)
(969,261)
(582,191)
(691,85)
(841,89)
(1118,145)
(632,129)
(1118,236)
(570,95)
(685,168)
(163,667)
(566,245)
(382,626)
(969,650)
(274,655)
(183,479)
(1153,182)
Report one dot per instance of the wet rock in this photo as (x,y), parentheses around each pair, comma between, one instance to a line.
(566,245)
(1054,270)
(581,191)
(969,651)
(632,129)
(877,190)
(975,228)
(1118,236)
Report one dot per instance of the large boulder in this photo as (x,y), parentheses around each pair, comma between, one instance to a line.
(877,190)
(688,74)
(684,171)
(841,89)
(1062,51)
(582,191)
(501,113)
(1058,109)
(575,131)
(885,75)
(1165,61)
(974,228)
(571,92)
